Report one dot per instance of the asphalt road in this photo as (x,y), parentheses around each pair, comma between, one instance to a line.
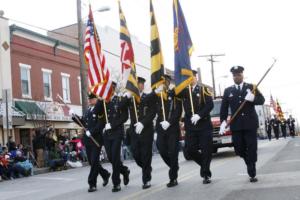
(278,173)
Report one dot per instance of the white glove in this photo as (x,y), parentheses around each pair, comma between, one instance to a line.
(88,133)
(107,126)
(127,94)
(250,96)
(71,112)
(195,118)
(165,125)
(159,89)
(139,127)
(223,128)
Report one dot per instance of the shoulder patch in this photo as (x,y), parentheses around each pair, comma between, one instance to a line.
(178,99)
(207,91)
(100,116)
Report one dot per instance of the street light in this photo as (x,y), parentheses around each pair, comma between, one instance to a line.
(83,71)
(103,9)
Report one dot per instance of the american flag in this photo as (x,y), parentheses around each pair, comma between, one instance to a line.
(99,79)
(273,104)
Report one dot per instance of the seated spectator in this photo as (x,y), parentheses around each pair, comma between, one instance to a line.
(5,167)
(21,166)
(56,160)
(23,149)
(77,146)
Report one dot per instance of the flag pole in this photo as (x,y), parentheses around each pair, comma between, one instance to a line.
(104,104)
(105,112)
(162,105)
(191,99)
(78,121)
(135,112)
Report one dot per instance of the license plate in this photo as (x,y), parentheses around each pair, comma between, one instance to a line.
(226,140)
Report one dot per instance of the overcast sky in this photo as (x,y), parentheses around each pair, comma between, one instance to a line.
(250,33)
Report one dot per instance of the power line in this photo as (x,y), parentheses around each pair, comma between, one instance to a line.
(211,59)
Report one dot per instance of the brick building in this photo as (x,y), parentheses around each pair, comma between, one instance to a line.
(34,68)
(40,68)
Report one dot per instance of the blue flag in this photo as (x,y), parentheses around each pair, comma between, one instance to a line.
(183,48)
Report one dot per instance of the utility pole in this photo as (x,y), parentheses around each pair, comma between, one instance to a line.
(211,59)
(83,72)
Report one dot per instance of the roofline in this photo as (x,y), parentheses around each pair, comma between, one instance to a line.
(62,27)
(14,27)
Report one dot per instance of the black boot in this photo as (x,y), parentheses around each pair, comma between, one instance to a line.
(147,185)
(105,180)
(92,189)
(172,183)
(206,180)
(116,188)
(253,179)
(126,177)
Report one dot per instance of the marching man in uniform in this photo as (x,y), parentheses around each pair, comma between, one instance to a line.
(291,124)
(93,120)
(142,131)
(244,127)
(268,128)
(113,133)
(168,129)
(198,126)
(275,124)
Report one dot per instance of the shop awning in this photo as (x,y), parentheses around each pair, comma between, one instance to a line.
(30,109)
(18,118)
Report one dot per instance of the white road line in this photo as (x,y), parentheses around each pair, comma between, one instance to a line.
(143,194)
(287,161)
(54,178)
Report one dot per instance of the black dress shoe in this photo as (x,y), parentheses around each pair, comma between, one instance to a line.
(206,180)
(116,188)
(172,183)
(105,181)
(126,177)
(92,189)
(147,185)
(253,179)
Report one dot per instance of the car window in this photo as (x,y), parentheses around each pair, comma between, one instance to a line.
(217,106)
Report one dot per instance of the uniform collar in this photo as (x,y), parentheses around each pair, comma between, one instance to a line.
(113,96)
(194,86)
(91,108)
(241,85)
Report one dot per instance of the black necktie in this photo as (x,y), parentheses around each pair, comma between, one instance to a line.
(239,88)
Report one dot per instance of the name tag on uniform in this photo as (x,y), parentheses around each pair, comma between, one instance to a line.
(231,95)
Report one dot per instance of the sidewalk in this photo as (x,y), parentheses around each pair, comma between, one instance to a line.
(44,170)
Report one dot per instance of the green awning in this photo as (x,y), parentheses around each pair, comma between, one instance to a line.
(29,108)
